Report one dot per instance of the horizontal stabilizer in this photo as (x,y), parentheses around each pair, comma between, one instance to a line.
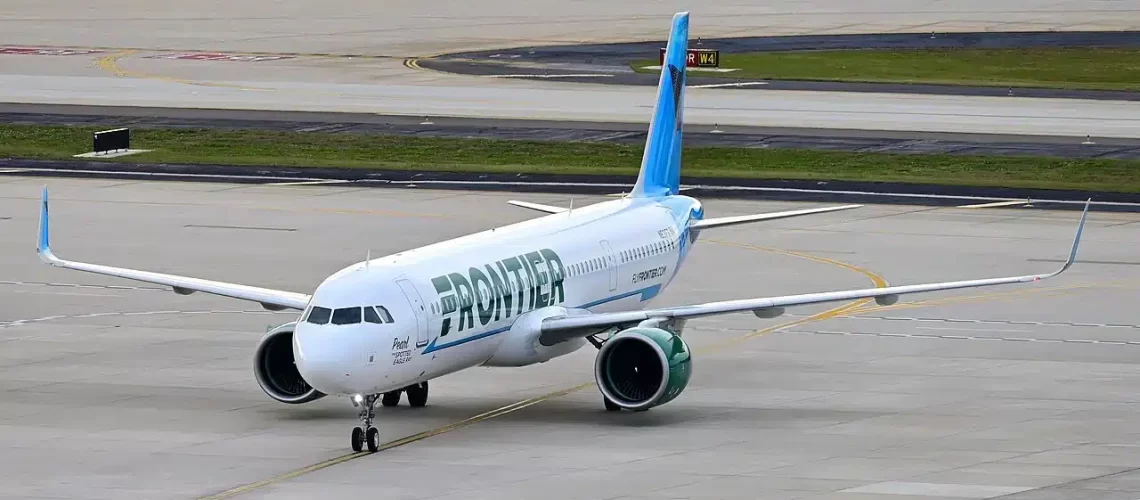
(550,209)
(743,219)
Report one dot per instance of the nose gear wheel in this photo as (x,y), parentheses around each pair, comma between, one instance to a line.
(366,434)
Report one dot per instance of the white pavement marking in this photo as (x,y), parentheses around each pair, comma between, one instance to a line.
(309,183)
(991,321)
(160,175)
(960,337)
(997,204)
(972,329)
(568,75)
(726,85)
(937,489)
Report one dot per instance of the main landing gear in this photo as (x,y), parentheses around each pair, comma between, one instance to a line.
(417,395)
(365,433)
(597,342)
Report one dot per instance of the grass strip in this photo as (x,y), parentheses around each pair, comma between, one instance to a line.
(1063,68)
(366,151)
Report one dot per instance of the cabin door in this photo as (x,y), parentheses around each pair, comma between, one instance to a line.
(611,263)
(418,308)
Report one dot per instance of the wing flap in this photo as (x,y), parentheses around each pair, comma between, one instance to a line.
(268,298)
(744,219)
(559,329)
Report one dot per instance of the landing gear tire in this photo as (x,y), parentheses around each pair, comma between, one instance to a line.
(417,394)
(366,432)
(610,405)
(391,398)
(373,439)
(357,439)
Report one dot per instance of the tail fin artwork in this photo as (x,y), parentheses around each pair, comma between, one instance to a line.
(661,162)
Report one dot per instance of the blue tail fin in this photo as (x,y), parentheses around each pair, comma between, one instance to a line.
(661,163)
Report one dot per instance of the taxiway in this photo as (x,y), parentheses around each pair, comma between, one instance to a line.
(116,390)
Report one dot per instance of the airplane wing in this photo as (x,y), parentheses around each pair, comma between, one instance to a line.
(274,300)
(742,219)
(550,209)
(562,328)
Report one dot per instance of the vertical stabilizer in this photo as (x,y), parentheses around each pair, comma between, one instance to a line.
(661,163)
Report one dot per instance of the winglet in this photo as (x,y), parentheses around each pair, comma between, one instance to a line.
(1077,238)
(43,246)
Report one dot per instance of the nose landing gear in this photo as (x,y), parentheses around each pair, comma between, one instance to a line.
(366,433)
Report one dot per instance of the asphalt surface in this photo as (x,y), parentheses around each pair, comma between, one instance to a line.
(609,63)
(113,389)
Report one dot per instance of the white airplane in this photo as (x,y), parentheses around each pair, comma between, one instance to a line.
(516,295)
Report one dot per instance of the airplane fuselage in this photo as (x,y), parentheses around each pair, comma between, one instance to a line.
(458,303)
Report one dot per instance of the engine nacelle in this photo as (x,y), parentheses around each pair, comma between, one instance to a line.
(520,346)
(276,371)
(640,368)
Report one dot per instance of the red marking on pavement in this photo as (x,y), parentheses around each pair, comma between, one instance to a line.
(38,51)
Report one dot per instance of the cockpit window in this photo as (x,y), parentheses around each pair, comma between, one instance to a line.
(384,314)
(370,315)
(346,316)
(319,315)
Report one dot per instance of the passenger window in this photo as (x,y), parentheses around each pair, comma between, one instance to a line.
(346,316)
(319,315)
(370,315)
(384,314)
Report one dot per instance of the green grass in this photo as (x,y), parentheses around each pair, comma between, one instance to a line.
(472,155)
(1067,68)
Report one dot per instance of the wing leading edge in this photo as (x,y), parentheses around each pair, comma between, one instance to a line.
(269,299)
(559,329)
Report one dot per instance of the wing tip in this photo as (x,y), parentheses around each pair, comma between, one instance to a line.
(43,244)
(1076,240)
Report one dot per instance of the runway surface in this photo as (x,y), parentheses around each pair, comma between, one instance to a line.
(116,390)
(350,58)
(610,63)
(578,102)
(419,29)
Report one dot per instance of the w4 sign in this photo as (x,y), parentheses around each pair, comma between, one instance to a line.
(698,58)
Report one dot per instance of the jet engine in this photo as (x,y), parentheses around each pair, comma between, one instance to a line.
(276,372)
(640,368)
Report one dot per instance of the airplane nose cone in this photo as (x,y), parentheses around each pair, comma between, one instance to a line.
(327,359)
